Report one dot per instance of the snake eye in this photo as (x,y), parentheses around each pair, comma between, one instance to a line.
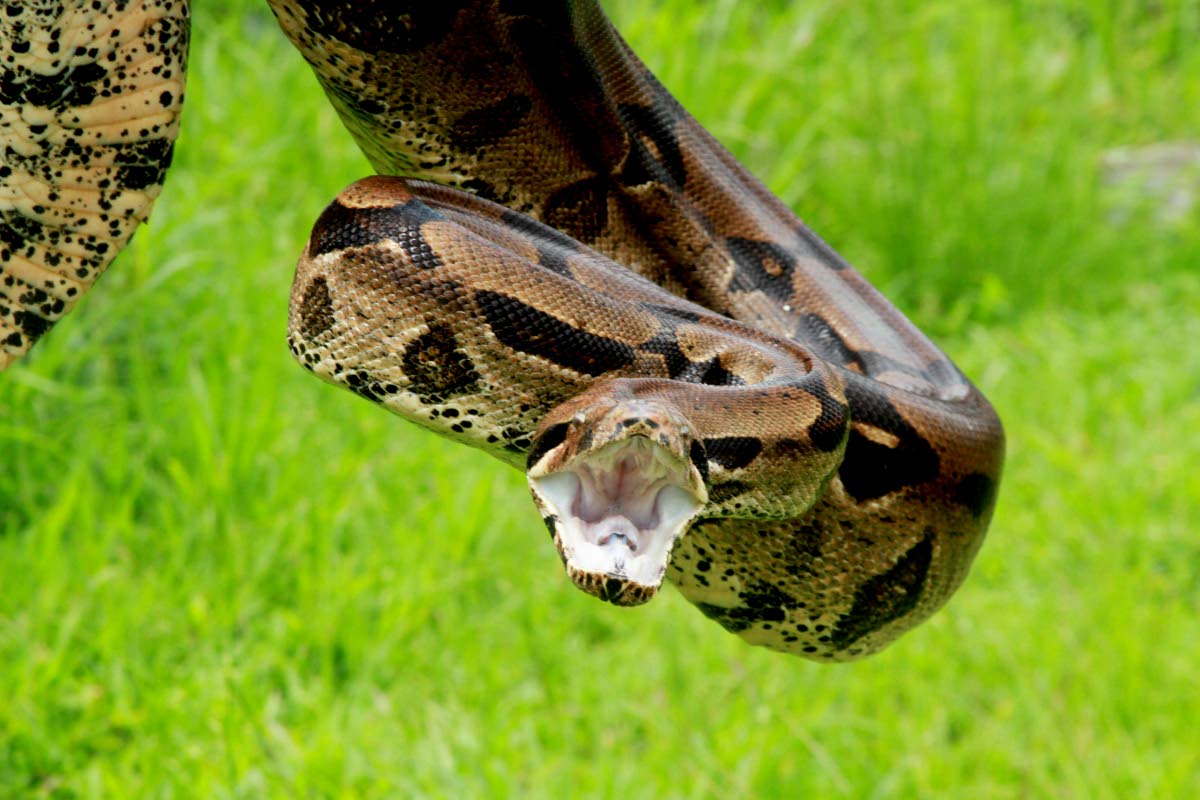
(699,459)
(550,439)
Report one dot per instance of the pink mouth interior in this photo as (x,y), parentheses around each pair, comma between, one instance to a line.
(621,509)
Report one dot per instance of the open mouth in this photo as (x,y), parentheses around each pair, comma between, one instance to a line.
(620,509)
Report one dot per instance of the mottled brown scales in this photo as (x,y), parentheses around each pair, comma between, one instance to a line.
(373,192)
(437,368)
(848,469)
(316,311)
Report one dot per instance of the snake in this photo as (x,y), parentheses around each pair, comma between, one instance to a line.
(555,264)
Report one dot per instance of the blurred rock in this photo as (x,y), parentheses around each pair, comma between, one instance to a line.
(1162,178)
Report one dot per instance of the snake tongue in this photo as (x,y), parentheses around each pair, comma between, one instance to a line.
(617,513)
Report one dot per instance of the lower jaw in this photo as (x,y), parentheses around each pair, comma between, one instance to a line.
(618,591)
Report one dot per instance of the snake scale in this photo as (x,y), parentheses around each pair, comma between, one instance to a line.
(571,275)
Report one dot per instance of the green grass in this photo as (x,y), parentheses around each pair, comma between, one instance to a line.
(220,578)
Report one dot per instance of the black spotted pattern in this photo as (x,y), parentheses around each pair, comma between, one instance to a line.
(727,490)
(762,265)
(436,368)
(405,29)
(803,551)
(655,155)
(681,368)
(871,470)
(828,431)
(76,86)
(732,452)
(761,602)
(553,247)
(734,620)
(32,325)
(340,227)
(316,310)
(581,208)
(766,602)
(565,80)
(672,313)
(818,334)
(484,126)
(144,164)
(977,492)
(886,597)
(17,229)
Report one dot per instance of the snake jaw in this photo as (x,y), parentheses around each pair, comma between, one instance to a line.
(617,509)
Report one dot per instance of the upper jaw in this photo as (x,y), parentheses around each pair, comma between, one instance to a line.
(617,511)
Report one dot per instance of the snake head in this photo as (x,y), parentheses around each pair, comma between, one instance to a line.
(616,483)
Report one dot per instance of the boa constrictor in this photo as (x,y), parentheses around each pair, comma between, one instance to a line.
(582,282)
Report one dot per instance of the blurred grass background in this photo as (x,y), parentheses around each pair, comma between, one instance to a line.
(222,579)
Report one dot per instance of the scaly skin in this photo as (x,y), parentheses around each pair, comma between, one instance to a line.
(90,96)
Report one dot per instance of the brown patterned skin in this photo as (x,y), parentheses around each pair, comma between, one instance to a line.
(850,468)
(544,109)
